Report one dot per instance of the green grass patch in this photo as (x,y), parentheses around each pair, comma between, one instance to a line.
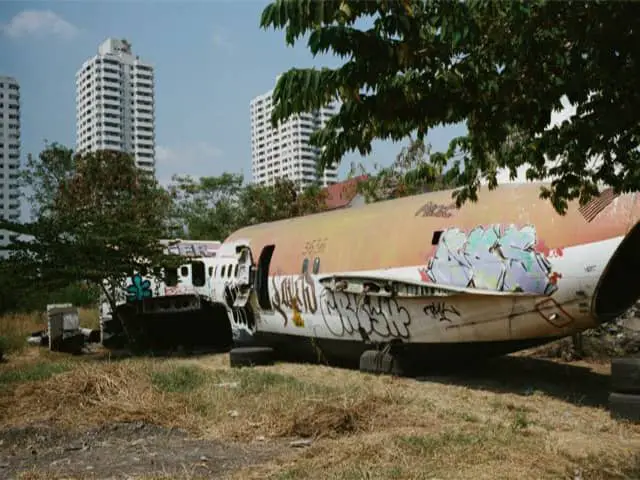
(39,371)
(182,379)
(255,381)
(429,444)
(250,381)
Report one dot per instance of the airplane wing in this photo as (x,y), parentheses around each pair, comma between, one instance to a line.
(388,286)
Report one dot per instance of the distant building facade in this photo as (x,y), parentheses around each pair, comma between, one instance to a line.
(115,104)
(9,152)
(285,152)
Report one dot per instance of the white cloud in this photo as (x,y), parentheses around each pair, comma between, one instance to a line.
(39,23)
(220,40)
(197,160)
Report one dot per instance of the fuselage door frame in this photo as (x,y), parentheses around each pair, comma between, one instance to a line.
(245,275)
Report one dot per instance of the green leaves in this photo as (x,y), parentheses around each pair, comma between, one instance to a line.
(414,171)
(501,67)
(214,207)
(99,218)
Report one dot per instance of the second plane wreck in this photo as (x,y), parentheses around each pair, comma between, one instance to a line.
(428,281)
(163,315)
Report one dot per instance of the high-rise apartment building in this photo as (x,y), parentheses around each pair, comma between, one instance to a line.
(115,103)
(285,151)
(9,152)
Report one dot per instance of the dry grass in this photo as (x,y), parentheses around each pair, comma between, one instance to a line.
(14,329)
(506,423)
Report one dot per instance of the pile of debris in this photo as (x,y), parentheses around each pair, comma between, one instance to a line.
(63,333)
(618,338)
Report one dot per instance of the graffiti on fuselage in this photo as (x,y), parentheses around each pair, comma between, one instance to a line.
(431,209)
(241,315)
(441,311)
(314,247)
(346,313)
(297,294)
(499,258)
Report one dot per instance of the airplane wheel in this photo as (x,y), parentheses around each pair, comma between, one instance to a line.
(625,375)
(625,407)
(374,361)
(251,356)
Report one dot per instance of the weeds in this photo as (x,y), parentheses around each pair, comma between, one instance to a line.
(181,379)
(362,426)
(15,329)
(30,373)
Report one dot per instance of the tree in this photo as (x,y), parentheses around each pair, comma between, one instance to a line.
(502,67)
(411,173)
(207,207)
(102,220)
(212,208)
(43,176)
(279,201)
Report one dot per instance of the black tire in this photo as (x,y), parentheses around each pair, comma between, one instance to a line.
(375,361)
(625,375)
(623,406)
(251,356)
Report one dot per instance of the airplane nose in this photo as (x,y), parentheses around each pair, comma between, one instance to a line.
(618,288)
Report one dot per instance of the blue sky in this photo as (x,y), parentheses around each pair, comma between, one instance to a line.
(210,58)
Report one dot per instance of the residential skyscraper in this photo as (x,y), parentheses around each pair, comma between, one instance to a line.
(115,103)
(9,152)
(285,152)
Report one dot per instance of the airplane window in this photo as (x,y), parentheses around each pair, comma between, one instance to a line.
(305,265)
(184,271)
(316,265)
(229,271)
(211,271)
(436,237)
(235,273)
(222,270)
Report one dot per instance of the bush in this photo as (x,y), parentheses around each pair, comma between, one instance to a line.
(11,301)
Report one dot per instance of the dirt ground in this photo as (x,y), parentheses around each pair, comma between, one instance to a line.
(122,450)
(94,416)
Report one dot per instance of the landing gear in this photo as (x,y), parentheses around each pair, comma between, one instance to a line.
(251,356)
(387,361)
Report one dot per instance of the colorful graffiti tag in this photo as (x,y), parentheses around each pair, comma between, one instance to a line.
(139,289)
(501,258)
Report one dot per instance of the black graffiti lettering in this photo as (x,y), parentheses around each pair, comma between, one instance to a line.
(276,301)
(441,311)
(299,290)
(345,314)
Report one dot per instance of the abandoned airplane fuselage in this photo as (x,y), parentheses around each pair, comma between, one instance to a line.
(492,277)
